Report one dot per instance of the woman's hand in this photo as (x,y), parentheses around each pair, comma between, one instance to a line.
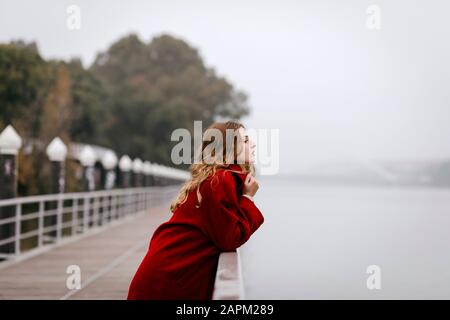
(250,185)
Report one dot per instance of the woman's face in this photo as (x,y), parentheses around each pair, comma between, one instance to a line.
(248,148)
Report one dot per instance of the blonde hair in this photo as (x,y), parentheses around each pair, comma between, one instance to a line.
(201,171)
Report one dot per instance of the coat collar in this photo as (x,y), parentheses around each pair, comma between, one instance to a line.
(239,175)
(234,166)
(238,172)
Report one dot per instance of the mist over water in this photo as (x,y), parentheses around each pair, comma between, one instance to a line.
(318,240)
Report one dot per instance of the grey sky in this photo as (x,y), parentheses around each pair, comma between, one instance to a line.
(334,88)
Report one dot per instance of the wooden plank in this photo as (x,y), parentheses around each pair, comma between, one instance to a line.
(108,261)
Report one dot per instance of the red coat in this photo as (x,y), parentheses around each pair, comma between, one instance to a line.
(183,254)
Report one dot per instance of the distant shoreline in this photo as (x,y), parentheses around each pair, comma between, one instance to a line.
(331,180)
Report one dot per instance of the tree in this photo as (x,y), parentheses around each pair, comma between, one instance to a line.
(23,83)
(157,87)
(131,99)
(88,99)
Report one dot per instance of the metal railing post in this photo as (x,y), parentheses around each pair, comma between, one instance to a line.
(86,210)
(113,207)
(95,217)
(41,224)
(74,215)
(18,227)
(59,219)
(107,209)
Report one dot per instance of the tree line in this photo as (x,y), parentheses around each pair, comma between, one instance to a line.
(130,100)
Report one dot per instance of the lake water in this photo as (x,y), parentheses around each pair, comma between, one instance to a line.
(317,242)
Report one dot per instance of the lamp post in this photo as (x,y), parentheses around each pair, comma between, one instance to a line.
(57,152)
(156,172)
(147,168)
(137,172)
(109,162)
(87,158)
(151,170)
(125,167)
(10,143)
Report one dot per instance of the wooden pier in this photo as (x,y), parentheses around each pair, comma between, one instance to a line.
(108,259)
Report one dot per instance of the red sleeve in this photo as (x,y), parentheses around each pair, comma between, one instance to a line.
(229,219)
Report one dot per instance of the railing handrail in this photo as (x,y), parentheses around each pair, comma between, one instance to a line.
(229,282)
(72,195)
(74,213)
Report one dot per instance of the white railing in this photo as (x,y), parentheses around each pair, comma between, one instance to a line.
(229,284)
(36,221)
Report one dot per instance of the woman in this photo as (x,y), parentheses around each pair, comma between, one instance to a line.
(214,212)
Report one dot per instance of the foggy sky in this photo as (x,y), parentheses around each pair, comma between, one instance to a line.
(334,88)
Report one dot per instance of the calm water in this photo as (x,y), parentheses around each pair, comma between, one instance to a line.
(317,242)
